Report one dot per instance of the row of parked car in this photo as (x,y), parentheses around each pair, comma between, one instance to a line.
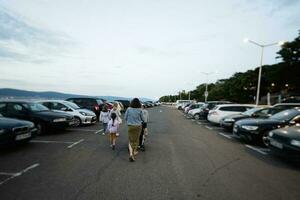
(276,127)
(21,120)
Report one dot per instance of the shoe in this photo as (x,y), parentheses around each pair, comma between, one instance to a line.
(131,159)
(113,147)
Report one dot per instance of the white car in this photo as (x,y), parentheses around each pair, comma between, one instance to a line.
(220,111)
(195,107)
(181,103)
(81,116)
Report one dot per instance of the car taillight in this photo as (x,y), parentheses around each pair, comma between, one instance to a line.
(97,107)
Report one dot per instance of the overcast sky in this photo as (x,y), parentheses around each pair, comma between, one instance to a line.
(133,48)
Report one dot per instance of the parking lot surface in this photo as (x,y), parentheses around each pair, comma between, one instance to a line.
(184,159)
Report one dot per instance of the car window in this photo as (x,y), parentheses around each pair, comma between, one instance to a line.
(35,107)
(57,106)
(2,107)
(285,115)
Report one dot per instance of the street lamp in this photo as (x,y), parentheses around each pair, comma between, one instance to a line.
(206,92)
(261,61)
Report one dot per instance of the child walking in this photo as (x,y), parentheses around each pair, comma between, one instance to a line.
(113,127)
(104,118)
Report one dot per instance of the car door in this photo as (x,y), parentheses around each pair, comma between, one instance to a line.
(17,110)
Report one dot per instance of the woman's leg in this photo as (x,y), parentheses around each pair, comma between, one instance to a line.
(114,138)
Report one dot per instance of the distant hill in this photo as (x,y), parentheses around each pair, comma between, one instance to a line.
(9,93)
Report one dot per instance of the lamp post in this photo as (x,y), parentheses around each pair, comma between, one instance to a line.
(263,46)
(206,92)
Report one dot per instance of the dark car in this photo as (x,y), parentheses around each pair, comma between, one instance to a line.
(40,115)
(208,106)
(126,103)
(256,130)
(15,131)
(93,104)
(228,122)
(285,141)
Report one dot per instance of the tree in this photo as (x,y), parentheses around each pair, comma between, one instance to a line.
(290,52)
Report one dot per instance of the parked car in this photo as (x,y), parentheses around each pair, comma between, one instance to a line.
(208,106)
(81,116)
(286,141)
(180,103)
(195,113)
(220,111)
(40,115)
(125,103)
(256,130)
(257,112)
(193,106)
(93,104)
(285,106)
(14,131)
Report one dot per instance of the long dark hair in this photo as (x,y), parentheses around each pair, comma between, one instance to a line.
(113,117)
(105,109)
(135,103)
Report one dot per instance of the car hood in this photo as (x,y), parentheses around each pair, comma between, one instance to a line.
(9,123)
(236,116)
(289,132)
(86,111)
(258,122)
(52,115)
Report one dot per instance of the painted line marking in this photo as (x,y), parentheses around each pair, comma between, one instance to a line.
(52,141)
(75,143)
(14,175)
(257,149)
(225,135)
(80,129)
(208,127)
(98,131)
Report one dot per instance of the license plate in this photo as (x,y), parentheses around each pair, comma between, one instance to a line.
(276,144)
(23,136)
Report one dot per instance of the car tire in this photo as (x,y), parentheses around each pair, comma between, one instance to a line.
(41,128)
(197,116)
(77,121)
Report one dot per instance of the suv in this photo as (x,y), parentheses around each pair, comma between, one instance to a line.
(40,115)
(93,104)
(207,107)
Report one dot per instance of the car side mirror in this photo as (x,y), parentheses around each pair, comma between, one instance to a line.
(64,109)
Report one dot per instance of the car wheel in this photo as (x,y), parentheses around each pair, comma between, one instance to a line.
(77,121)
(265,140)
(197,116)
(40,128)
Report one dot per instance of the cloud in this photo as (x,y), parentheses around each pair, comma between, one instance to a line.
(22,41)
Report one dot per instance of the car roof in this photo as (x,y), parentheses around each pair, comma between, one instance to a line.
(224,105)
(17,101)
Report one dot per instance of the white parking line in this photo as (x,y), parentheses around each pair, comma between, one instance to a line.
(75,143)
(259,150)
(98,131)
(208,127)
(14,175)
(225,135)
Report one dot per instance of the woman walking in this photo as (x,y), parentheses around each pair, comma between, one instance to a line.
(113,127)
(134,118)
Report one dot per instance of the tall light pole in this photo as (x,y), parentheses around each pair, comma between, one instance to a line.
(206,92)
(263,46)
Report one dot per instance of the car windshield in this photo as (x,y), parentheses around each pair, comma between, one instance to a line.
(72,105)
(35,107)
(285,115)
(251,111)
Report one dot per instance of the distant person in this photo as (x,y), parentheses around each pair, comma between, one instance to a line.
(113,127)
(134,118)
(144,131)
(104,118)
(116,111)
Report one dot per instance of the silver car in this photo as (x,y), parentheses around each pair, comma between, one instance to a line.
(81,116)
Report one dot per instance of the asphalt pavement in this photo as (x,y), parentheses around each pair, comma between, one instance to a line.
(184,159)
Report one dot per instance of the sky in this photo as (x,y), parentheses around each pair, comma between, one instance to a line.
(136,48)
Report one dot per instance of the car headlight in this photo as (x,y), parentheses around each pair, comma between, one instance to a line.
(295,143)
(229,120)
(271,134)
(83,113)
(2,131)
(59,120)
(250,128)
